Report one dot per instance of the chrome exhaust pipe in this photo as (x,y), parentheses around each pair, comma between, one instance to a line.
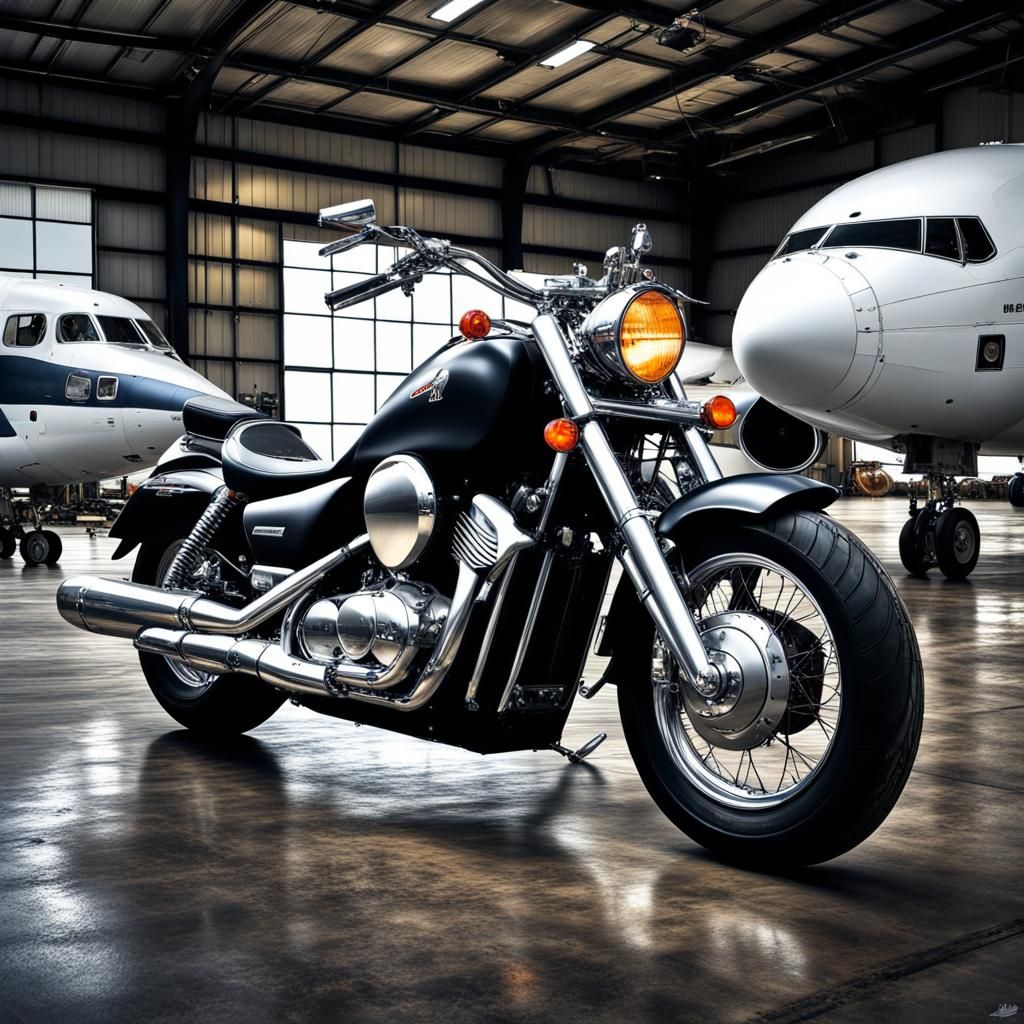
(118,608)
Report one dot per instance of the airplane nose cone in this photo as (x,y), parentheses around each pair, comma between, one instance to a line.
(795,333)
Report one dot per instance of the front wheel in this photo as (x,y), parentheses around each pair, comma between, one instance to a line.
(804,747)
(218,706)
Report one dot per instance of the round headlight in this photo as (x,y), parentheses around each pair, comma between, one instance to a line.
(651,337)
(637,333)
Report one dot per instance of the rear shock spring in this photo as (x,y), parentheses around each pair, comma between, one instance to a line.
(187,556)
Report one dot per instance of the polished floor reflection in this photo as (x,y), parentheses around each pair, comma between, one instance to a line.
(317,871)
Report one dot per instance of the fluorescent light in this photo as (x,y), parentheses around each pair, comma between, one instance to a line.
(568,53)
(454,9)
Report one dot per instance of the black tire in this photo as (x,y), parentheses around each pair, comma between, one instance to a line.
(1015,490)
(56,547)
(36,545)
(877,731)
(911,556)
(957,543)
(228,705)
(8,544)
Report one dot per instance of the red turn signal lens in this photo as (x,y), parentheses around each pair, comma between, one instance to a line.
(719,412)
(475,324)
(562,435)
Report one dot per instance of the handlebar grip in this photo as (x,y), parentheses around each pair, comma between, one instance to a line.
(360,291)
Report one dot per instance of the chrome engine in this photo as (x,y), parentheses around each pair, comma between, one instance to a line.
(382,626)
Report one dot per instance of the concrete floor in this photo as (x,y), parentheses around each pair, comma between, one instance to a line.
(320,872)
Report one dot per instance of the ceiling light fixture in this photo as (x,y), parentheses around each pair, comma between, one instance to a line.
(567,53)
(454,9)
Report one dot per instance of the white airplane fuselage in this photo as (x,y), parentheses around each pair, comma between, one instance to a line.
(863,336)
(80,410)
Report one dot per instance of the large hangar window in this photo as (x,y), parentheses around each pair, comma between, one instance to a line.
(339,369)
(46,232)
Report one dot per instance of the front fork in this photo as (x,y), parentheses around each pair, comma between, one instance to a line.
(640,553)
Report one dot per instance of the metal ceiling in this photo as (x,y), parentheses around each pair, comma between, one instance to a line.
(758,70)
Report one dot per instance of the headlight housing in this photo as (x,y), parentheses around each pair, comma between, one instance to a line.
(637,334)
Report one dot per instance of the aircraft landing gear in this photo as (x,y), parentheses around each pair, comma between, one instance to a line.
(940,534)
(1015,490)
(37,546)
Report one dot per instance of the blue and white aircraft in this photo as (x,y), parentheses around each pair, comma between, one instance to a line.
(89,389)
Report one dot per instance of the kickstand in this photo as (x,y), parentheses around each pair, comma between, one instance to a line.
(580,755)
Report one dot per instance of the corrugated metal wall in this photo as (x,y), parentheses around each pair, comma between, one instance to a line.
(244,204)
(748,229)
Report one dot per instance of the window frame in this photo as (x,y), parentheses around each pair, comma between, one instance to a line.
(963,249)
(61,340)
(881,220)
(824,230)
(959,240)
(16,343)
(77,398)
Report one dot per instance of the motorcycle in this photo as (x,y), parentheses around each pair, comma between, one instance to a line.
(444,579)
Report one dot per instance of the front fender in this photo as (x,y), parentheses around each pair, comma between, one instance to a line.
(749,495)
(167,505)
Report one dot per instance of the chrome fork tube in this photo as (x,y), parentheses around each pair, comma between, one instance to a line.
(700,451)
(642,558)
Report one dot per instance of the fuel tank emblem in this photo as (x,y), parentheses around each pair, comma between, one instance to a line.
(435,387)
(268,531)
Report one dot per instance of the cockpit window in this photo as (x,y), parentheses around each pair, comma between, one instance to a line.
(941,238)
(153,333)
(24,330)
(76,327)
(878,234)
(800,240)
(978,246)
(119,330)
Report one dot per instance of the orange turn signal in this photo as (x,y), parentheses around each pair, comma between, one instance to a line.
(562,435)
(475,324)
(719,412)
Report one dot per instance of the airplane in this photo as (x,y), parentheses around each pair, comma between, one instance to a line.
(892,312)
(89,389)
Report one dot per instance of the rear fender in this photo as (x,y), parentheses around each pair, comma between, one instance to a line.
(745,497)
(167,505)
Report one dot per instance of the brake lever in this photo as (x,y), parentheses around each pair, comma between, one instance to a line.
(370,232)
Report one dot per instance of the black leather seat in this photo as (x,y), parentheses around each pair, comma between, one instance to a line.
(212,418)
(268,459)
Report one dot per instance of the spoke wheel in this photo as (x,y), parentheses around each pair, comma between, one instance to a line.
(803,745)
(766,735)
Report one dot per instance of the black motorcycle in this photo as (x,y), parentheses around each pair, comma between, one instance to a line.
(445,577)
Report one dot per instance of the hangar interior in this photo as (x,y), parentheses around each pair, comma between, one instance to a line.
(175,153)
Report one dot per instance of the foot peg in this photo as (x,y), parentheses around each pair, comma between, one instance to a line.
(590,690)
(579,756)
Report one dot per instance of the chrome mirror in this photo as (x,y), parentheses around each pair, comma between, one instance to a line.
(642,241)
(352,216)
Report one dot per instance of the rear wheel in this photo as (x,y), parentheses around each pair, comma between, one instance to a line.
(215,705)
(807,744)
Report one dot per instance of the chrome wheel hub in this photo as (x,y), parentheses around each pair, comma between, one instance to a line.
(747,705)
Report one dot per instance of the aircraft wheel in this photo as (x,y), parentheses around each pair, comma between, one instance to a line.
(1015,490)
(911,552)
(957,543)
(35,547)
(8,545)
(56,547)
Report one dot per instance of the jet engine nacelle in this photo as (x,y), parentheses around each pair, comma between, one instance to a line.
(769,437)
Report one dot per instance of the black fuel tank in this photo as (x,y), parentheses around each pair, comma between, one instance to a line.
(474,407)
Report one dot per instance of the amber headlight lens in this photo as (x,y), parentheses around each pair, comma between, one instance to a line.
(651,336)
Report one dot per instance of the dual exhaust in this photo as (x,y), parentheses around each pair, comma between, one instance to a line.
(210,636)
